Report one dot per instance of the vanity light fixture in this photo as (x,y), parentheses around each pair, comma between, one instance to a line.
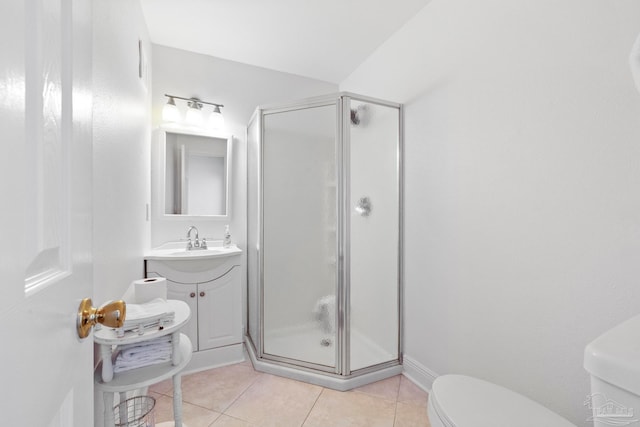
(193,117)
(170,112)
(216,120)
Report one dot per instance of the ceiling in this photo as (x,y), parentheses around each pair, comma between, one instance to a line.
(321,39)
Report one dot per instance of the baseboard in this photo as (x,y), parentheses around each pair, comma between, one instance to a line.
(419,374)
(214,358)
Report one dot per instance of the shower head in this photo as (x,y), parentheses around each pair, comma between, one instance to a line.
(359,115)
(355,120)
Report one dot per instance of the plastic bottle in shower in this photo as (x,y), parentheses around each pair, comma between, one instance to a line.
(227,237)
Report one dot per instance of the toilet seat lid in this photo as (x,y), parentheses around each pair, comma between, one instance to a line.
(462,401)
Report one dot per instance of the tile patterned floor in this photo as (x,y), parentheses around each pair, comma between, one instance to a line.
(238,396)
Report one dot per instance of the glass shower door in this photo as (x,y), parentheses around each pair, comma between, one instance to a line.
(299,235)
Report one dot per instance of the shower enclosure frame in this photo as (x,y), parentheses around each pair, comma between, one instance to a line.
(340,377)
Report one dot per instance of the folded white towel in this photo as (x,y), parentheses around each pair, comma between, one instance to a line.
(139,364)
(148,310)
(148,315)
(161,345)
(163,340)
(137,355)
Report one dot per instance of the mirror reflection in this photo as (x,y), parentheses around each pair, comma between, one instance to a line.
(196,175)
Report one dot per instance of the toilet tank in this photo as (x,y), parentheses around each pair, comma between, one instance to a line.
(613,360)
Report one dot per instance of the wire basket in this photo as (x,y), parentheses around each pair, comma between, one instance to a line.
(136,412)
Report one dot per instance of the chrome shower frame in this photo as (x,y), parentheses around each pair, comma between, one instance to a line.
(340,377)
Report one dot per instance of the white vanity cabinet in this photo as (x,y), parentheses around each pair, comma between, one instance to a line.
(217,319)
(212,289)
(219,311)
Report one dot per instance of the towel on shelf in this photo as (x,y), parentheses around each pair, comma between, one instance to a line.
(148,315)
(158,345)
(137,355)
(148,310)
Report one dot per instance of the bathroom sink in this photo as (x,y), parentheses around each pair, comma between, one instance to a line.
(178,251)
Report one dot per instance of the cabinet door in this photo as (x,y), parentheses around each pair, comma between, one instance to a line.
(219,311)
(188,294)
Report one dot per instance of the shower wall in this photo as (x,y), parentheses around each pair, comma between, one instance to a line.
(374,238)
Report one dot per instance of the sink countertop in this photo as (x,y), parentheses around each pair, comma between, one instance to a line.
(178,251)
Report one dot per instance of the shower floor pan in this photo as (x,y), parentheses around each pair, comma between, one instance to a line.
(307,343)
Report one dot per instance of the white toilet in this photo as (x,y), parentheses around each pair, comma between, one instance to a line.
(461,401)
(613,360)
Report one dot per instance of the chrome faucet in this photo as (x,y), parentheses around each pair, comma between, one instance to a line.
(196,244)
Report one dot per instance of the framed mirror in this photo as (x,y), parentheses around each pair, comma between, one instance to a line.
(195,174)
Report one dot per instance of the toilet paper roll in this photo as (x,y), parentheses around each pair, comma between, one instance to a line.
(150,288)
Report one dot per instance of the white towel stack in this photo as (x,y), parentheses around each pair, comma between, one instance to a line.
(154,313)
(151,352)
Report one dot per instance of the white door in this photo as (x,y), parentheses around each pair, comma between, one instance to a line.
(45,218)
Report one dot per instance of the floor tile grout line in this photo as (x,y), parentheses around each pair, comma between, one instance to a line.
(216,419)
(373,396)
(197,406)
(201,407)
(313,406)
(223,412)
(395,413)
(161,394)
(260,375)
(235,418)
(395,408)
(398,389)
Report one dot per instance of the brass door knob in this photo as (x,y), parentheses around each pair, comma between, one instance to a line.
(111,314)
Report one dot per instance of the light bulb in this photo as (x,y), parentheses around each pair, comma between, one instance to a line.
(193,117)
(170,112)
(216,120)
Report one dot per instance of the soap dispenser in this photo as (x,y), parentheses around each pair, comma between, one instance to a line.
(227,237)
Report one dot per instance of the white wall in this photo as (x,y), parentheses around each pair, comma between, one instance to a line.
(121,158)
(522,202)
(121,138)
